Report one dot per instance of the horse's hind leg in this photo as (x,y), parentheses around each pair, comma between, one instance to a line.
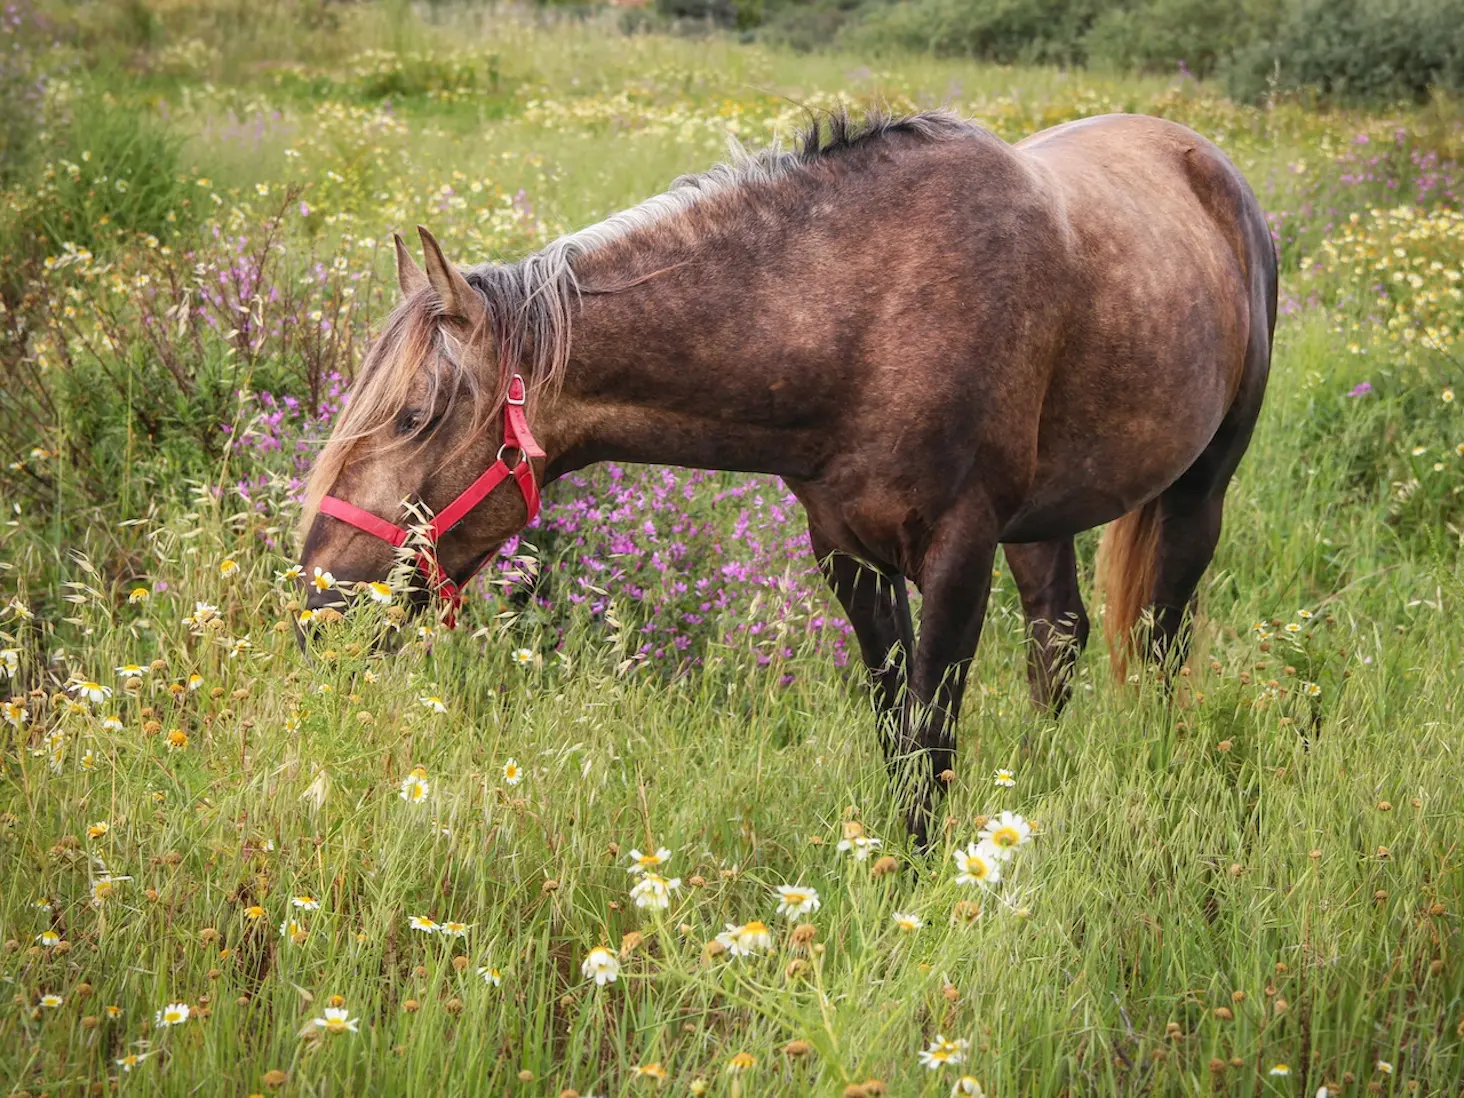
(1057,625)
(879,610)
(1189,517)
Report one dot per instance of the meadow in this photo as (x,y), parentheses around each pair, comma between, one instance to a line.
(556,851)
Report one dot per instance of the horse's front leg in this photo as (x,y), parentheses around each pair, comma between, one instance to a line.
(955,580)
(879,610)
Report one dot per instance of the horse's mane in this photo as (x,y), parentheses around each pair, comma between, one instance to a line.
(530,303)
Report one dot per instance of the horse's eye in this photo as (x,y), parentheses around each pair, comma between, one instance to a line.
(408,420)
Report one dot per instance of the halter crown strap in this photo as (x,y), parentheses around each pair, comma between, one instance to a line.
(516,436)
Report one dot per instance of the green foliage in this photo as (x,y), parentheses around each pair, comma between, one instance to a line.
(1358,51)
(112,170)
(1160,34)
(721,13)
(1008,31)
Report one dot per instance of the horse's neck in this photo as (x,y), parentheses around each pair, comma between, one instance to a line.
(682,369)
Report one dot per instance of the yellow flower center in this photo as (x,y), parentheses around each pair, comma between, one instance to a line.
(1006,837)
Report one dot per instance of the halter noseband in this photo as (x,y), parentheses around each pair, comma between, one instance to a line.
(516,436)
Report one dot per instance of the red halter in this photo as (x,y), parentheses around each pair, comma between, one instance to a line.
(516,436)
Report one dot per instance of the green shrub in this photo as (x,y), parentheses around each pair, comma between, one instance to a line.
(1043,31)
(114,175)
(1159,35)
(21,95)
(1358,51)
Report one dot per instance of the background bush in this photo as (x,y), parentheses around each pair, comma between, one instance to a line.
(1351,51)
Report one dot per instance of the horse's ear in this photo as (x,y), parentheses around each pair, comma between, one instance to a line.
(409,276)
(458,298)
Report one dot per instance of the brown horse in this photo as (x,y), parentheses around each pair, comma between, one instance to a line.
(941,342)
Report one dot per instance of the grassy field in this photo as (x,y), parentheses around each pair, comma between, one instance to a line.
(1255,889)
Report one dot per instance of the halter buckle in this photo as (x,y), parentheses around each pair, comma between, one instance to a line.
(516,385)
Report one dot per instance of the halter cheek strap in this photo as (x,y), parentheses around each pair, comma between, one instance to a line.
(516,436)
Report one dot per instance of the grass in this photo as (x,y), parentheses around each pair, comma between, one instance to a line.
(1247,876)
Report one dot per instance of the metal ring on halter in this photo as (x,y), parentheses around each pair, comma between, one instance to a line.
(516,464)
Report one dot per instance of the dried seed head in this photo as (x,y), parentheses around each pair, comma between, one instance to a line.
(1224,1014)
(885,864)
(803,933)
(275,1079)
(966,911)
(460,962)
(951,994)
(797,1048)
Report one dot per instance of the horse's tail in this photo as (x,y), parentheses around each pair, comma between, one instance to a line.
(1128,559)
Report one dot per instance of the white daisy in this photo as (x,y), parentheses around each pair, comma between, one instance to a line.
(174,1014)
(601,966)
(640,863)
(861,846)
(746,940)
(979,863)
(336,1020)
(795,900)
(654,891)
(942,1052)
(1006,832)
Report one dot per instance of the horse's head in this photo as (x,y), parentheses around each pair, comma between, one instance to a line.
(426,420)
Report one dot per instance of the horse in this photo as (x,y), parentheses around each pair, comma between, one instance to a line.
(941,342)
